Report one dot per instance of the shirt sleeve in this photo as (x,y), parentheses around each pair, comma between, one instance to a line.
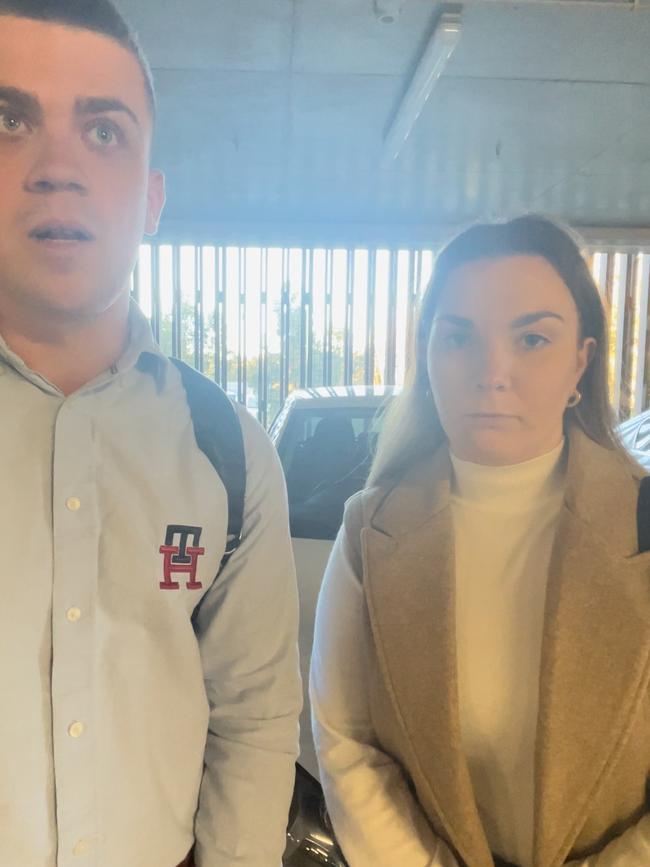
(631,849)
(247,628)
(376,818)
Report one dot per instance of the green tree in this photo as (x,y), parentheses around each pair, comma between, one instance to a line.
(273,398)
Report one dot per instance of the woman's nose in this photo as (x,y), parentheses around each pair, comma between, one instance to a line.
(494,370)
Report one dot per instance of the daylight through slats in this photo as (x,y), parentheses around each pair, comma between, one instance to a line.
(262,321)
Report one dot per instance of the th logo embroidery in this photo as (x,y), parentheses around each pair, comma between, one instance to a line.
(181,558)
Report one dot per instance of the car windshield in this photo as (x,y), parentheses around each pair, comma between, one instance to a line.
(326,455)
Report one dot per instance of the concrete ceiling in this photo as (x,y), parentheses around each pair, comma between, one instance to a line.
(272,115)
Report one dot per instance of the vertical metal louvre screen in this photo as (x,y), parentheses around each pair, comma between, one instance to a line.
(623,280)
(263,321)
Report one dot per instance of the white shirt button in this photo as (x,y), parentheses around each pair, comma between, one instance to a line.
(73,614)
(76,729)
(73,504)
(80,848)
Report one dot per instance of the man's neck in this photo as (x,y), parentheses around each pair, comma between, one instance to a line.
(68,351)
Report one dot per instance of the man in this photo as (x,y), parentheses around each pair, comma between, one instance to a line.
(142,716)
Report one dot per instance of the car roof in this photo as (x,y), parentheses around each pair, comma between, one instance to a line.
(340,396)
(335,397)
(635,431)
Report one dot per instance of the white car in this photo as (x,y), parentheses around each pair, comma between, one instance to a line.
(323,437)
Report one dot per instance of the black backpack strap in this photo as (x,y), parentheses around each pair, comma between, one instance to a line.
(219,436)
(643,515)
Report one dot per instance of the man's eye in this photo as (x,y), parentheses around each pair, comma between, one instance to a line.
(533,341)
(103,134)
(12,123)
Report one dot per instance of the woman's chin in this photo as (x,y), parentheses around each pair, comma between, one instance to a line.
(494,447)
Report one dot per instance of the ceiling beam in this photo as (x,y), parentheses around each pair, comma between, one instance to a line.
(399,235)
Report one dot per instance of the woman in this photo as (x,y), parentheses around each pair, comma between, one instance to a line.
(481,662)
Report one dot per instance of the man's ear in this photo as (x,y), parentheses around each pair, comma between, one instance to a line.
(155,201)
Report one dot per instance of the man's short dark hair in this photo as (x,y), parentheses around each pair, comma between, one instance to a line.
(99,16)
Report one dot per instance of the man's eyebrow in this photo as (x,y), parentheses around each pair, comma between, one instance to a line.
(531,318)
(102,104)
(20,100)
(455,320)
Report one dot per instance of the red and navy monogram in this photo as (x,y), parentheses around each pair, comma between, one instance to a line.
(181,558)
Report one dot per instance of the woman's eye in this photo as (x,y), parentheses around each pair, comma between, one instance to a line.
(456,341)
(103,134)
(533,341)
(12,123)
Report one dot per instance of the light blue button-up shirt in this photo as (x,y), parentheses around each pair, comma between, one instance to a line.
(137,717)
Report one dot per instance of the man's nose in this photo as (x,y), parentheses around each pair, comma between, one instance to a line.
(56,169)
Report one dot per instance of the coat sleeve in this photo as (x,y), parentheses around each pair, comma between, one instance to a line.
(631,849)
(376,818)
(247,631)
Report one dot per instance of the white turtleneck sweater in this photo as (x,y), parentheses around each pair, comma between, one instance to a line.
(504,524)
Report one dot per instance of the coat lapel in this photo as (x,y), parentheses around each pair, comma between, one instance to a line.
(409,574)
(596,645)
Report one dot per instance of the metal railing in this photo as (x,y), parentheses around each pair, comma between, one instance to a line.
(262,321)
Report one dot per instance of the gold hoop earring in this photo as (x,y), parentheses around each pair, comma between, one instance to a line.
(574,400)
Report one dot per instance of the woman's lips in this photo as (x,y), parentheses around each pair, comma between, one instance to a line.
(491,419)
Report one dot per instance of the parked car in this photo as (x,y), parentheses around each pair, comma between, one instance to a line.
(324,437)
(635,436)
(310,838)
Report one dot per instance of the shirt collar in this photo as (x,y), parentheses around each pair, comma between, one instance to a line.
(141,350)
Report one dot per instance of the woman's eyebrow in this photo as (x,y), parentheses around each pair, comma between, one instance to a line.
(530,318)
(455,320)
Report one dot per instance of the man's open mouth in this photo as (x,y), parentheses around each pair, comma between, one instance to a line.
(60,232)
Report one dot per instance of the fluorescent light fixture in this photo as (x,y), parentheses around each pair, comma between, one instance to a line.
(431,66)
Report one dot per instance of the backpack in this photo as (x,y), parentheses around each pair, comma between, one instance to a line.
(219,436)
